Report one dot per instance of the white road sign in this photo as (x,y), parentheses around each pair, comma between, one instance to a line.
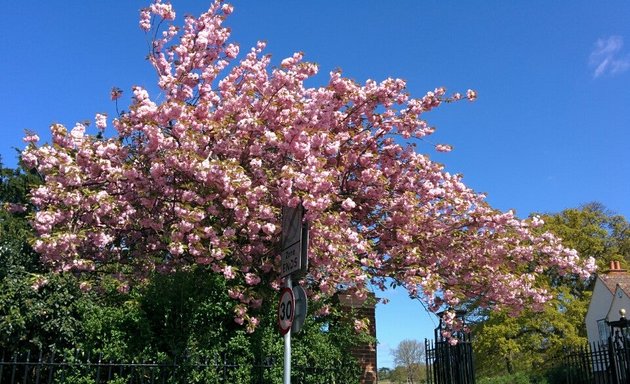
(291,240)
(291,259)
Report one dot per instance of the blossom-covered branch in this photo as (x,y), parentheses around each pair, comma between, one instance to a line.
(200,176)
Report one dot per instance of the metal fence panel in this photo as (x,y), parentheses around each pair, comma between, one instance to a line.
(598,364)
(77,367)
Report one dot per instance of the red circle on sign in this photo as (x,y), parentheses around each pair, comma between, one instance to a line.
(286,310)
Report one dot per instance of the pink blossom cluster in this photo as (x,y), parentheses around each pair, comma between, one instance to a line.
(200,176)
(14,208)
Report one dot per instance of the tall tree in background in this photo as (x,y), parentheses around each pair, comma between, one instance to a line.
(506,344)
(199,177)
(409,355)
(593,231)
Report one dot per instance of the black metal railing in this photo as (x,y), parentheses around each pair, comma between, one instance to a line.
(78,367)
(607,363)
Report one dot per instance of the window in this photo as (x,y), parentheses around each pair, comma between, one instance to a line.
(604,330)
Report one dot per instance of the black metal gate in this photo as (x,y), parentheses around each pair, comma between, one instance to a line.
(619,346)
(597,364)
(600,363)
(449,363)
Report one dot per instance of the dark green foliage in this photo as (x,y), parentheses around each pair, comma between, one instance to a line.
(115,326)
(187,318)
(188,311)
(16,255)
(37,309)
(34,318)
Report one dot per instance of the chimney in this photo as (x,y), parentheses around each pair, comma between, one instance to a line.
(615,266)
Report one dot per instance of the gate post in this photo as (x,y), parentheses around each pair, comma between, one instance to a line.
(365,353)
(618,348)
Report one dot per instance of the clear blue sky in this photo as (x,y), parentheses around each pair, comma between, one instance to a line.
(550,130)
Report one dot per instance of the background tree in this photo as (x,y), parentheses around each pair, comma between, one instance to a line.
(593,231)
(200,177)
(505,343)
(409,355)
(384,373)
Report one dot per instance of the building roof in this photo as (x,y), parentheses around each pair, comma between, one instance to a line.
(616,276)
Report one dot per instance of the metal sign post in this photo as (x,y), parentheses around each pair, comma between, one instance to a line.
(294,259)
(287,340)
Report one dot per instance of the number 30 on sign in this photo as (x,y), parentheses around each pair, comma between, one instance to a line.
(286,310)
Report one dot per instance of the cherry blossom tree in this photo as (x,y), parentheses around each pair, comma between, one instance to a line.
(199,175)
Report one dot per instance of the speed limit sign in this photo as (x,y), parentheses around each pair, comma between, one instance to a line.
(286,310)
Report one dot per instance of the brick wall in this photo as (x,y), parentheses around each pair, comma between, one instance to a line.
(366,353)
